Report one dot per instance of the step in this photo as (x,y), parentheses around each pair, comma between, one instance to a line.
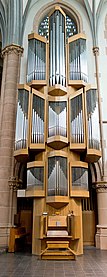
(57,244)
(59,255)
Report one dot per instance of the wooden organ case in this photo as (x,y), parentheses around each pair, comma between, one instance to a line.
(57,111)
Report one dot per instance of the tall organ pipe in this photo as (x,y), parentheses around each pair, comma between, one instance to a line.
(57,48)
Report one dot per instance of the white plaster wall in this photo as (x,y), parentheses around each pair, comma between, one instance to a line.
(105,146)
(102,42)
(34,8)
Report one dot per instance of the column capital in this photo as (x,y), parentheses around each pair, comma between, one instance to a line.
(100,186)
(12,48)
(96,51)
(14,183)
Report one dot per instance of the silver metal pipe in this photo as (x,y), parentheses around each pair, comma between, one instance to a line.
(53,53)
(60,55)
(32,131)
(57,167)
(37,61)
(34,126)
(50,51)
(57,49)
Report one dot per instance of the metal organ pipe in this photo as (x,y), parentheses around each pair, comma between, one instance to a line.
(53,55)
(57,48)
(22,120)
(77,127)
(37,135)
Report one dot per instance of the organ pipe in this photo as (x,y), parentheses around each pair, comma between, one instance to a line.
(57,118)
(79,178)
(36,59)
(35,177)
(93,119)
(57,176)
(77,122)
(22,120)
(37,130)
(77,59)
(57,48)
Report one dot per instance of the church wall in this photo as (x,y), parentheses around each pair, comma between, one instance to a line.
(102,43)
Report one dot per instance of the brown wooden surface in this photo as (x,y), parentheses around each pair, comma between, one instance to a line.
(15,233)
(88,227)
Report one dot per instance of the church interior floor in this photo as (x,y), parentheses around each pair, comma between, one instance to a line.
(92,263)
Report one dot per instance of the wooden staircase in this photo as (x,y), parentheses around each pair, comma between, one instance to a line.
(58,250)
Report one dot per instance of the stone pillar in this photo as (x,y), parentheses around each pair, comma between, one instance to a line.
(101,235)
(96,54)
(101,186)
(11,55)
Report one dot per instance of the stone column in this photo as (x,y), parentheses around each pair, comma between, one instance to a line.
(101,186)
(96,54)
(11,55)
(101,235)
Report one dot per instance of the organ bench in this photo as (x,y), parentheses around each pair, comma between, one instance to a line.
(16,233)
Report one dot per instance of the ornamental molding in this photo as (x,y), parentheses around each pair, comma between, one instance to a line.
(96,51)
(100,186)
(12,49)
(14,183)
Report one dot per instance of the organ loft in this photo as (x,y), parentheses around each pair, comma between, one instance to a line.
(57,135)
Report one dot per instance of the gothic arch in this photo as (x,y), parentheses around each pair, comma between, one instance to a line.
(90,16)
(46,9)
(101,4)
(19,171)
(24,18)
(2,22)
(95,170)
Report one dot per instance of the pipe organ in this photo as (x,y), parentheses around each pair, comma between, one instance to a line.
(36,58)
(57,48)
(21,135)
(57,176)
(77,59)
(37,131)
(57,126)
(77,119)
(92,119)
(57,118)
(79,178)
(35,177)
